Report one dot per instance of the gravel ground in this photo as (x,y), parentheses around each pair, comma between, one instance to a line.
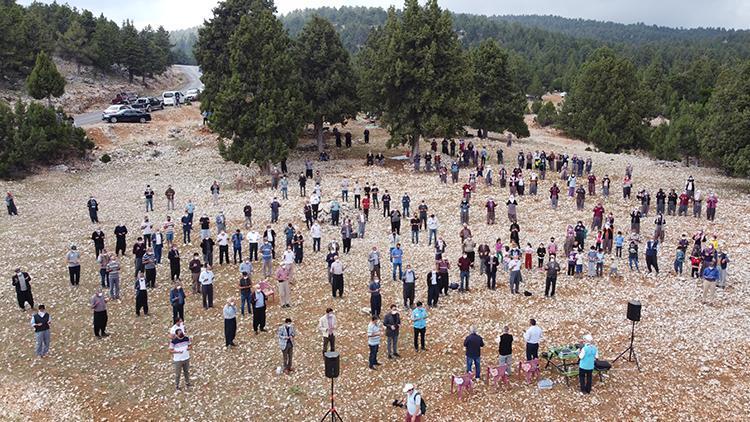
(693,356)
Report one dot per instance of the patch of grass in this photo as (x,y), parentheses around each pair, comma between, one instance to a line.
(296,391)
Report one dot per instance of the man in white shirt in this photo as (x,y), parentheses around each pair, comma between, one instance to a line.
(413,404)
(315,204)
(432,226)
(532,337)
(207,286)
(337,277)
(327,328)
(178,325)
(373,261)
(180,347)
(223,240)
(373,341)
(252,239)
(515,274)
(315,233)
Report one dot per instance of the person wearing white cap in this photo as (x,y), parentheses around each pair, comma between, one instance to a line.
(413,404)
(587,356)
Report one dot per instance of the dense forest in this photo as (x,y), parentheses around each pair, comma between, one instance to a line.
(78,36)
(183,41)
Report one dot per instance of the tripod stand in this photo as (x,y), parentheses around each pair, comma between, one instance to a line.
(332,411)
(630,350)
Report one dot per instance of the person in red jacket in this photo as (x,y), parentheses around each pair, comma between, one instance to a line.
(592,184)
(464,264)
(683,200)
(554,195)
(366,207)
(598,216)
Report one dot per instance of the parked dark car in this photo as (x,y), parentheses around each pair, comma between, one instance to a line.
(148,104)
(125,98)
(128,115)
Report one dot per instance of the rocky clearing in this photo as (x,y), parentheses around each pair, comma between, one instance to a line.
(694,357)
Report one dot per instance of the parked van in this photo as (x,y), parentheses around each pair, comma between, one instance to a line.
(172,98)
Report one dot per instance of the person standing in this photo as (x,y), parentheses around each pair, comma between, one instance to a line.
(258,300)
(413,402)
(149,266)
(98,238)
(148,195)
(652,250)
(337,277)
(327,327)
(397,255)
(207,247)
(473,344)
(215,190)
(40,321)
(230,323)
(179,348)
(121,233)
(113,277)
(141,295)
(552,269)
(419,318)
(169,194)
(282,278)
(10,203)
(373,341)
(237,239)
(73,260)
(532,337)
(392,323)
(245,286)
(187,228)
(464,265)
(223,240)
(587,357)
(177,300)
(93,207)
(433,287)
(506,350)
(710,276)
(21,280)
(99,306)
(174,263)
(195,265)
(286,334)
(207,286)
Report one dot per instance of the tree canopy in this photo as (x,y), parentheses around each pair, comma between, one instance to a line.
(329,85)
(45,81)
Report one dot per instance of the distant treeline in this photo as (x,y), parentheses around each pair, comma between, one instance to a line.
(78,36)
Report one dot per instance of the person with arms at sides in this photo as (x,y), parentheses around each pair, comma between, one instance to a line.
(373,341)
(327,327)
(392,323)
(141,295)
(230,323)
(413,404)
(258,300)
(121,234)
(473,344)
(506,350)
(286,334)
(40,321)
(21,281)
(99,306)
(206,279)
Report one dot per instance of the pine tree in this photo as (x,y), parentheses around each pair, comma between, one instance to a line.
(45,81)
(260,108)
(212,49)
(74,46)
(547,114)
(132,55)
(501,105)
(105,44)
(425,81)
(606,96)
(328,81)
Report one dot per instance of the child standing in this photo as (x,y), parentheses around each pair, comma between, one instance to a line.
(679,260)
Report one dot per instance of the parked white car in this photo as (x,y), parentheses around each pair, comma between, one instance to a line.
(170,98)
(192,94)
(114,109)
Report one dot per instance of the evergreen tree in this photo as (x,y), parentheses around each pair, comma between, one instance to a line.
(424,79)
(132,52)
(212,49)
(501,105)
(260,109)
(535,87)
(73,45)
(328,81)
(547,114)
(45,81)
(606,96)
(725,138)
(105,44)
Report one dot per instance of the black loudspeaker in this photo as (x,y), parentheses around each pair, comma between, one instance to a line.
(634,310)
(332,364)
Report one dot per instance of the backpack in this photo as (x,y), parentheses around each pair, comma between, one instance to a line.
(422,404)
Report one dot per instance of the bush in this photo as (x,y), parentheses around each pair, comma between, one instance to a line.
(536,106)
(34,134)
(105,158)
(547,114)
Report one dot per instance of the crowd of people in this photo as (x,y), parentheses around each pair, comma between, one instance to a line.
(588,249)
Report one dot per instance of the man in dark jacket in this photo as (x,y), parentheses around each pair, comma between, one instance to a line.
(473,344)
(22,282)
(93,207)
(121,233)
(392,323)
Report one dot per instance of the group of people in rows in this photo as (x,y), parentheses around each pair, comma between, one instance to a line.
(708,260)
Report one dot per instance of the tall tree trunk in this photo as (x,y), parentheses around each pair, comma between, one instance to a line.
(318,125)
(414,145)
(130,76)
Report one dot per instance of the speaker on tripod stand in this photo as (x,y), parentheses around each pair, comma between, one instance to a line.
(331,360)
(634,315)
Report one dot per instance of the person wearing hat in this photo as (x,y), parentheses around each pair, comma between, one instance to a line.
(413,404)
(73,259)
(21,280)
(587,356)
(40,322)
